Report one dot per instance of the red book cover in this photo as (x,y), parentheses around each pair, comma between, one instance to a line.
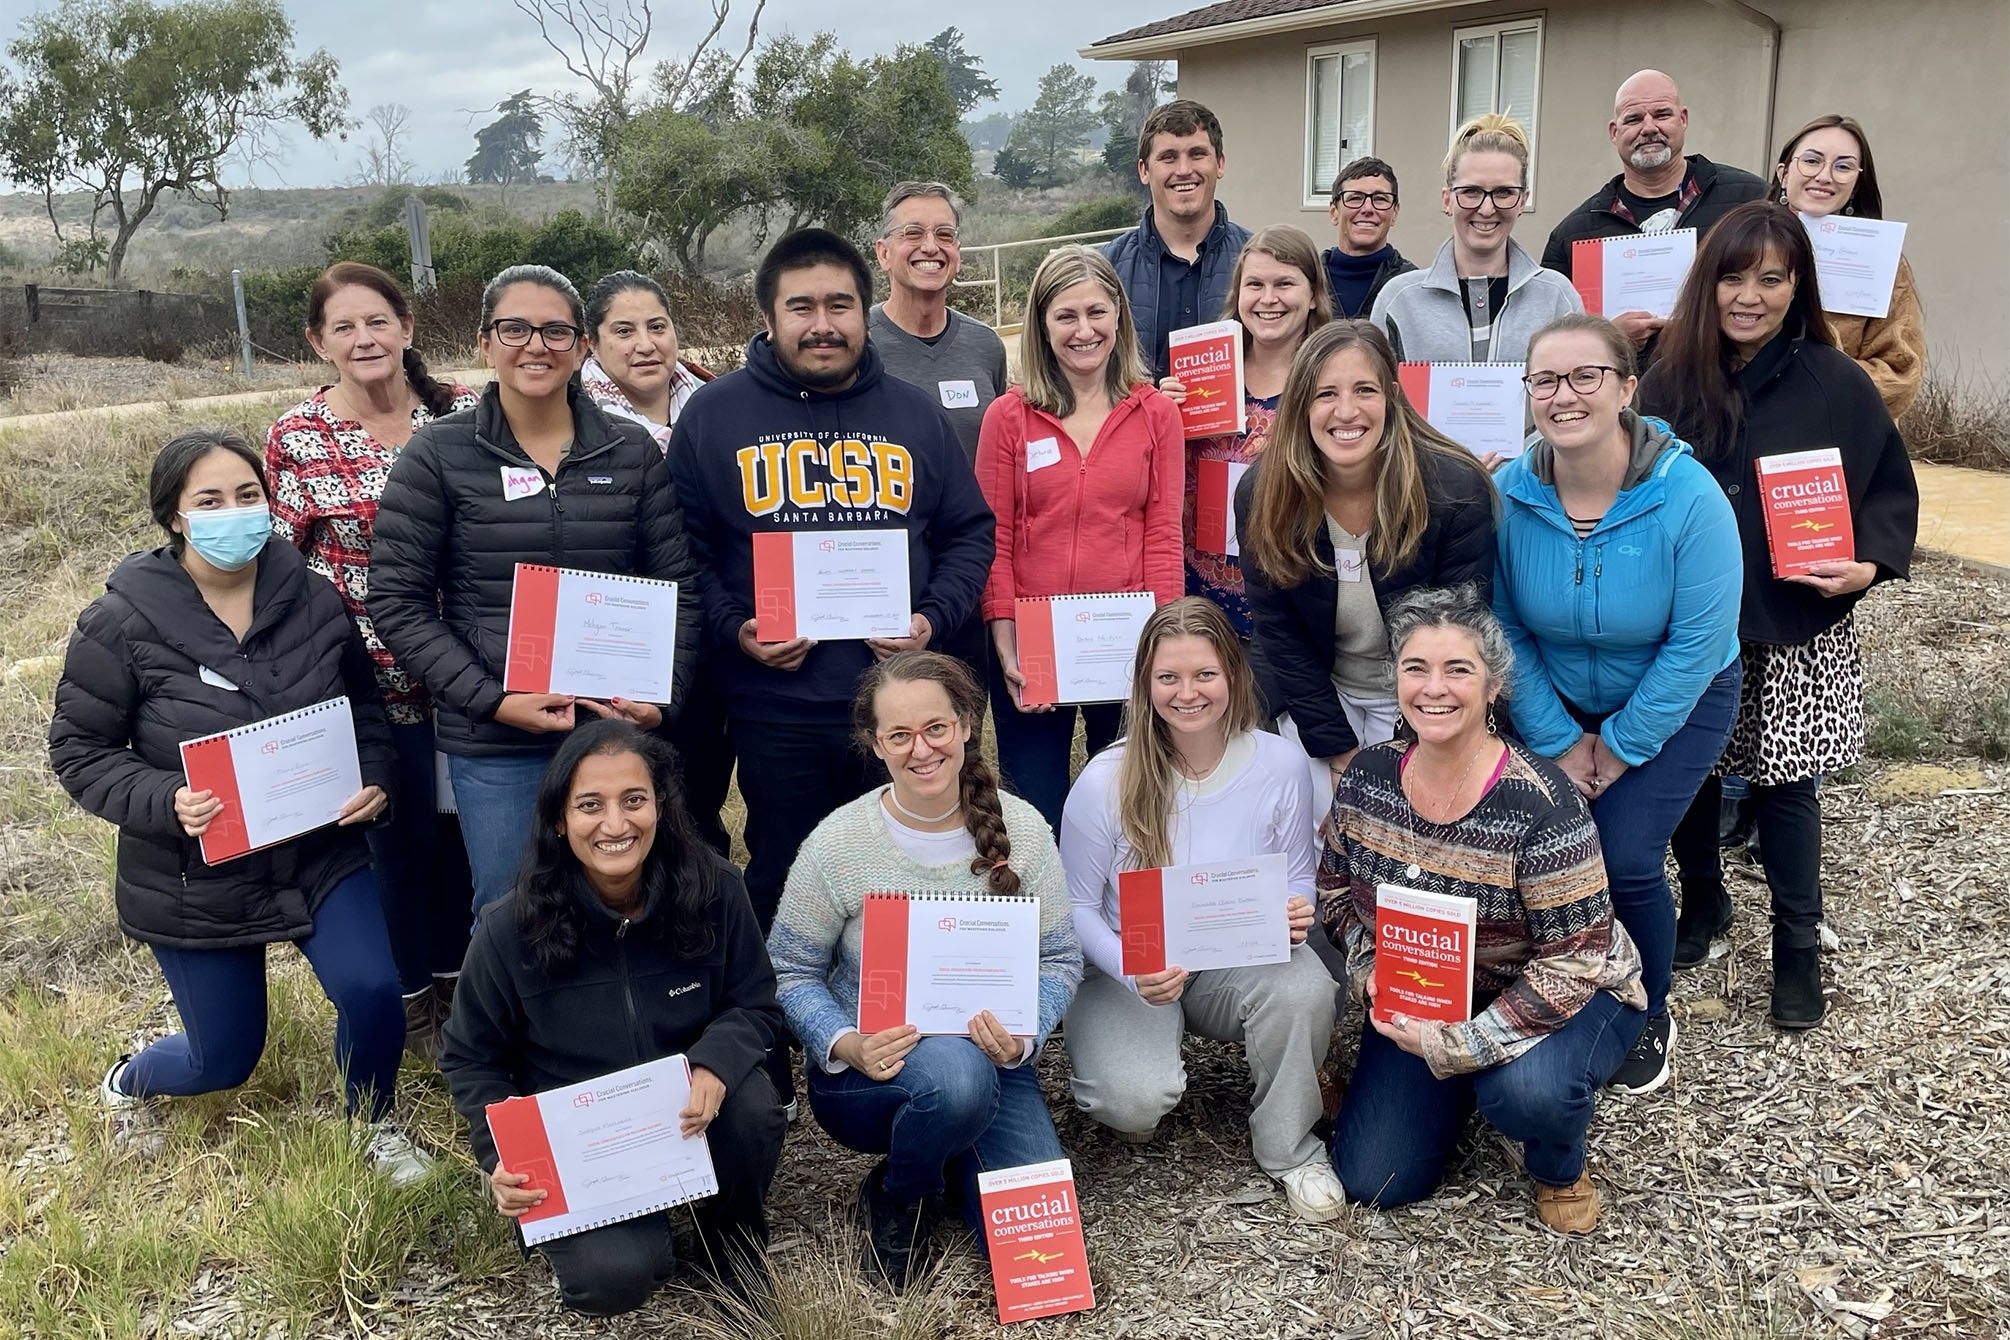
(1207,360)
(517,1127)
(1423,954)
(1807,510)
(1033,1227)
(882,965)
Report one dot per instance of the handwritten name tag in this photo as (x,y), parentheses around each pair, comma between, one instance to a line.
(1043,453)
(520,483)
(1348,561)
(958,395)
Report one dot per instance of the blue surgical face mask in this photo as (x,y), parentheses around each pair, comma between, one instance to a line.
(229,537)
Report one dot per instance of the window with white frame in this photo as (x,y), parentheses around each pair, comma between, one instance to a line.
(1497,67)
(1339,112)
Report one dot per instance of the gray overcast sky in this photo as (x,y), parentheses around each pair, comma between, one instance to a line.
(448,59)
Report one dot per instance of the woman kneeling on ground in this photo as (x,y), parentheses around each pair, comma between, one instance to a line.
(939,1109)
(624,940)
(1462,812)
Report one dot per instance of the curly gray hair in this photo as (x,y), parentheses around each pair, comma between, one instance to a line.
(1452,607)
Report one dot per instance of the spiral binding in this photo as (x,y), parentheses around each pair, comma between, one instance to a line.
(953,897)
(280,720)
(1094,595)
(597,576)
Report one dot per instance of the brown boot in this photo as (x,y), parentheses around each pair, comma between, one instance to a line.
(1568,1209)
(422,1029)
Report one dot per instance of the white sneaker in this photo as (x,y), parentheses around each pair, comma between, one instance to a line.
(391,1152)
(134,1123)
(1314,1191)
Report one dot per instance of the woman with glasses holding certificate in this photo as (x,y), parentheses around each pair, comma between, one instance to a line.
(536,473)
(1618,584)
(1196,782)
(940,1108)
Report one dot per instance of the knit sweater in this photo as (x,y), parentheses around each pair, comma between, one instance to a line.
(1528,855)
(819,932)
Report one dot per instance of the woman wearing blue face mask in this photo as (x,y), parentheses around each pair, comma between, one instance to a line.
(220,627)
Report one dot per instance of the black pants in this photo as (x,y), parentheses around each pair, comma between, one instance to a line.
(791,776)
(615,1269)
(705,748)
(1790,845)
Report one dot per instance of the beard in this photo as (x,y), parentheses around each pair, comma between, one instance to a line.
(821,378)
(1653,154)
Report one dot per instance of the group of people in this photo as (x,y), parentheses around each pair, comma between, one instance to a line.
(1515,683)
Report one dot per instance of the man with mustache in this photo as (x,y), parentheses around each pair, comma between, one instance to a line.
(1657,189)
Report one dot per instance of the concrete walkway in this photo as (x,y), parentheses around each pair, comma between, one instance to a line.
(1965,514)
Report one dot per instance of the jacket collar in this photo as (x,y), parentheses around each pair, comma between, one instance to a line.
(764,367)
(1217,233)
(1444,271)
(1531,481)
(592,431)
(1696,184)
(157,585)
(1770,361)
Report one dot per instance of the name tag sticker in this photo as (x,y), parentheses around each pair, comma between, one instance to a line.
(958,395)
(1043,453)
(1348,563)
(520,483)
(209,676)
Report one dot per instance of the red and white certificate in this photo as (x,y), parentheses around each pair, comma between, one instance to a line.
(277,778)
(831,585)
(1856,262)
(1207,360)
(604,1151)
(1033,1227)
(1214,914)
(937,962)
(593,634)
(1423,954)
(1079,649)
(1477,405)
(1215,484)
(1640,272)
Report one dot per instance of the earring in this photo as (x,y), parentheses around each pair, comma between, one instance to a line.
(1493,722)
(1849,209)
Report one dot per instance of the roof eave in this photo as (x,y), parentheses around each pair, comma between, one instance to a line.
(1164,45)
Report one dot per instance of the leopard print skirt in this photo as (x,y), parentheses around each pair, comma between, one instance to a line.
(1800,709)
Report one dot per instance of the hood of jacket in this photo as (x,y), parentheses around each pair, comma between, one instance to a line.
(766,368)
(1650,438)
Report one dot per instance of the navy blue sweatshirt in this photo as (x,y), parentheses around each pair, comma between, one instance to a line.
(755,451)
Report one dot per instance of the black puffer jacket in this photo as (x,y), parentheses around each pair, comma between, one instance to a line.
(134,688)
(448,541)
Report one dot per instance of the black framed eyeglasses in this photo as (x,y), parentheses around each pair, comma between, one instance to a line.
(1504,197)
(1379,199)
(558,336)
(1583,379)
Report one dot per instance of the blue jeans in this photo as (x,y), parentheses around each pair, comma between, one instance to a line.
(948,1115)
(1638,816)
(497,796)
(425,891)
(220,995)
(1035,749)
(1398,1123)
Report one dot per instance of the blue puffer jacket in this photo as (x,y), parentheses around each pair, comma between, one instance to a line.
(1634,620)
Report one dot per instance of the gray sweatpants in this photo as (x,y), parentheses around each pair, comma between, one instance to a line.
(1125,1054)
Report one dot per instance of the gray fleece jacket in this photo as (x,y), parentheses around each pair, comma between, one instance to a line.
(1424,314)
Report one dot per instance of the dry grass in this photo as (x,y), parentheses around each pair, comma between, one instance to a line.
(1960,421)
(50,383)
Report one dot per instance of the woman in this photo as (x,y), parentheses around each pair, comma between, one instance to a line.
(1483,297)
(626,940)
(536,473)
(1618,586)
(1463,813)
(221,627)
(1195,781)
(1826,169)
(1278,292)
(633,372)
(327,458)
(940,1109)
(1359,501)
(1746,370)
(1082,467)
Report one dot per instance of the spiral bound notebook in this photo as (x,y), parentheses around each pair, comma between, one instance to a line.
(937,961)
(1480,406)
(277,778)
(1079,649)
(603,1151)
(594,634)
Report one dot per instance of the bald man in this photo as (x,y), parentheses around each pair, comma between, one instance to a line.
(1657,189)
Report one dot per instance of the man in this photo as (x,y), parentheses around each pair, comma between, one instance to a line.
(956,361)
(1176,264)
(1364,208)
(1657,189)
(813,435)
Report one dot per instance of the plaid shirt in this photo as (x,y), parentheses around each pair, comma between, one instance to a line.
(327,474)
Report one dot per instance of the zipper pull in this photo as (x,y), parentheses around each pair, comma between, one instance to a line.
(621,931)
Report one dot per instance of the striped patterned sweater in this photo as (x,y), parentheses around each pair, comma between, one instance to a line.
(1528,854)
(819,930)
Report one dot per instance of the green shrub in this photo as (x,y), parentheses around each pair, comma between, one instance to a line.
(1113,211)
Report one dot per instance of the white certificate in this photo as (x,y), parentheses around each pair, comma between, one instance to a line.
(1215,914)
(592,634)
(1079,649)
(1856,262)
(604,1151)
(937,962)
(1477,405)
(277,778)
(1635,273)
(831,585)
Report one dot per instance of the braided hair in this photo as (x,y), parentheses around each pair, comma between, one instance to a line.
(983,814)
(437,396)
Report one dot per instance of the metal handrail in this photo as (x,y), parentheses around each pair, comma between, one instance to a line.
(995,281)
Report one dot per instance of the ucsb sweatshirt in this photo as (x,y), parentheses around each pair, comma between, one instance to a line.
(756,451)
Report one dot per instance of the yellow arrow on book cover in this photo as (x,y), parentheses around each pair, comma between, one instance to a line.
(1816,526)
(1419,979)
(1039,1257)
(1203,393)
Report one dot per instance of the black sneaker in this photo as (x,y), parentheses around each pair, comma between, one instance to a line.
(1647,1067)
(1797,988)
(1706,914)
(896,1232)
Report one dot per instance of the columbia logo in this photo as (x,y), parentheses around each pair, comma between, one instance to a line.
(681,990)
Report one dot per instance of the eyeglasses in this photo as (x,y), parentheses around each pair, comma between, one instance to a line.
(1811,164)
(1379,199)
(557,335)
(914,234)
(1504,197)
(1583,379)
(937,734)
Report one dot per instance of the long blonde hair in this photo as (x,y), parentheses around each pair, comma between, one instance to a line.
(1287,246)
(1149,770)
(1289,509)
(1488,133)
(1045,387)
